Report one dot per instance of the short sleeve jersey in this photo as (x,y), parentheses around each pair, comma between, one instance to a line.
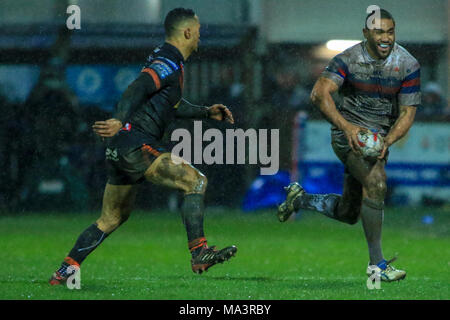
(371,91)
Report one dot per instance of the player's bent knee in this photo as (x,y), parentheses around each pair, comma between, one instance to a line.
(376,189)
(199,185)
(196,184)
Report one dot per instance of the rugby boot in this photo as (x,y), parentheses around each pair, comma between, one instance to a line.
(385,271)
(209,256)
(61,275)
(286,209)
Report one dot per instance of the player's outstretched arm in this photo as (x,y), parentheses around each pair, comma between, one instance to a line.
(400,127)
(321,98)
(187,110)
(217,112)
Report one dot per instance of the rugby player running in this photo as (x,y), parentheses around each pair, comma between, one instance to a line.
(134,153)
(379,83)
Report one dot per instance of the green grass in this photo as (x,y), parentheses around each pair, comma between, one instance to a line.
(147,258)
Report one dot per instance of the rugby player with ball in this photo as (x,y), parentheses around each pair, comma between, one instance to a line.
(379,83)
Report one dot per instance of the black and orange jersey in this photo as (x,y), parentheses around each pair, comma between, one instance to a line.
(154,99)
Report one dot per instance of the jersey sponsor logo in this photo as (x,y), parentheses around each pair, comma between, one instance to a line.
(170,62)
(162,69)
(111,154)
(151,57)
(126,127)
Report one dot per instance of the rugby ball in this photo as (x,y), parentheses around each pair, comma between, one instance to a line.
(370,143)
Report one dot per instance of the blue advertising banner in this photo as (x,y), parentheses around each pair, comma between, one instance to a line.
(16,81)
(100,85)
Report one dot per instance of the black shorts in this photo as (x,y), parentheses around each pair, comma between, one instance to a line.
(125,168)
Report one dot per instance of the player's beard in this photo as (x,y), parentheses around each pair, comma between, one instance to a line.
(380,53)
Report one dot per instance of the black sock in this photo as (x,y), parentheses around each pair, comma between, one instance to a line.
(322,203)
(192,214)
(87,242)
(372,220)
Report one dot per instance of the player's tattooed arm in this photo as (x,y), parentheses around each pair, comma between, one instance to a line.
(321,97)
(133,97)
(400,127)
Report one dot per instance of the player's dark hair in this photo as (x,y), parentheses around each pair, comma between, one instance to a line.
(384,14)
(175,17)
